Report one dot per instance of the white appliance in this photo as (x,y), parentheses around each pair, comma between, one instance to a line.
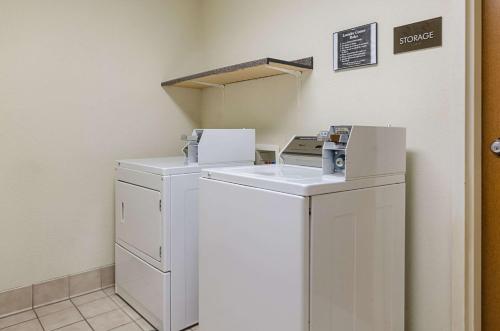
(299,248)
(156,219)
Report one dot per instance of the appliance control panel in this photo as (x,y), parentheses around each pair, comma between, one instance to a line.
(354,151)
(213,146)
(335,148)
(304,151)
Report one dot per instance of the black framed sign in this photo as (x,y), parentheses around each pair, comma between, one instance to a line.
(355,47)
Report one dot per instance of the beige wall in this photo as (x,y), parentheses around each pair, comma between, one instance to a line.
(79,88)
(423,91)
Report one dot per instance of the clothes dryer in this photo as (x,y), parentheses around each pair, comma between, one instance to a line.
(156,222)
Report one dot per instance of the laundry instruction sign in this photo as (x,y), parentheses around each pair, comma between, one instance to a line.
(420,35)
(355,47)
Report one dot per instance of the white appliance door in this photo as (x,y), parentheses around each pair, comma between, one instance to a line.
(138,219)
(357,260)
(144,287)
(254,259)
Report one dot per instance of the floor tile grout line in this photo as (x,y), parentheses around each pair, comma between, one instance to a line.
(116,327)
(84,318)
(121,308)
(33,307)
(67,299)
(109,311)
(133,320)
(41,325)
(51,303)
(105,295)
(31,319)
(38,319)
(59,311)
(68,325)
(17,312)
(119,326)
(33,297)
(56,312)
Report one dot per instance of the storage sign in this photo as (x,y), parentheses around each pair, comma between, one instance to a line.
(418,35)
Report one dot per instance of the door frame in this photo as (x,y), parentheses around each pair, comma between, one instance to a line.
(466,309)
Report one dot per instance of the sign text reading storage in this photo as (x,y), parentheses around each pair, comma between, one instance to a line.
(418,35)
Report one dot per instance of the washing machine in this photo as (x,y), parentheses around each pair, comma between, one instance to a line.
(315,243)
(156,222)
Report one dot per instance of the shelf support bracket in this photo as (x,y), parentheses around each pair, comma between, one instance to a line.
(294,73)
(209,84)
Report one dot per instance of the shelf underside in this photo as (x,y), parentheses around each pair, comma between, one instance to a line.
(262,68)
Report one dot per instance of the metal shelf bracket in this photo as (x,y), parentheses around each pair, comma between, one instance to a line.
(209,84)
(294,73)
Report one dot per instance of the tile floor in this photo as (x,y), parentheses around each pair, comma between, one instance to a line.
(102,310)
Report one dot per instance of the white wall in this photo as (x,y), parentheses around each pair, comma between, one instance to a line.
(79,88)
(423,91)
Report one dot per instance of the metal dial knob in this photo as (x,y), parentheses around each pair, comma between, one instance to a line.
(340,162)
(495,147)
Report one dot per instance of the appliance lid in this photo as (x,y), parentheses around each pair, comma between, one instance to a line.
(297,180)
(160,166)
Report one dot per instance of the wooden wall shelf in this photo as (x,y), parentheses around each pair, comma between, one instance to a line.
(262,68)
